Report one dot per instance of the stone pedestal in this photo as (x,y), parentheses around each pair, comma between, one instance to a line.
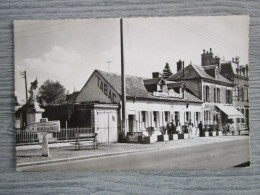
(205,134)
(34,113)
(173,137)
(149,140)
(219,133)
(212,133)
(162,138)
(183,136)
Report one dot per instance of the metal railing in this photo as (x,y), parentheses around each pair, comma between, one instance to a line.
(24,136)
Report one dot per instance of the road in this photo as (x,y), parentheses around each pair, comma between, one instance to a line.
(210,156)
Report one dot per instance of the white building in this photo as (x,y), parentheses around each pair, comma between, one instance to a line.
(144,108)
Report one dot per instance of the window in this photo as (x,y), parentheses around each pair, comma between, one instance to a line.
(206,93)
(218,95)
(206,117)
(143,116)
(238,93)
(215,119)
(176,116)
(242,119)
(215,95)
(188,116)
(242,94)
(166,116)
(154,116)
(247,97)
(197,116)
(228,96)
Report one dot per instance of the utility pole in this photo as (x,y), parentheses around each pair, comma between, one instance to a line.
(23,74)
(123,95)
(108,62)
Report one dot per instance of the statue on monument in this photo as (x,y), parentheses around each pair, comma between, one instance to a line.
(33,87)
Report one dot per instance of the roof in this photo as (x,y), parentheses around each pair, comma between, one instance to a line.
(135,87)
(152,81)
(197,72)
(72,97)
(228,68)
(172,85)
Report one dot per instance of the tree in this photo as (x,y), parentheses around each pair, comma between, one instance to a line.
(51,92)
(167,71)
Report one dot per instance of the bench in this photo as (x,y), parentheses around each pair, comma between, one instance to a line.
(81,139)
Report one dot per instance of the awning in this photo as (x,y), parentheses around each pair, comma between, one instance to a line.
(230,111)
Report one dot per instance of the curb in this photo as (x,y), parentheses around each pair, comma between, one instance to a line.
(82,157)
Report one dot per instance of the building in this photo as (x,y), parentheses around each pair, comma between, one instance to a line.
(238,75)
(207,84)
(149,103)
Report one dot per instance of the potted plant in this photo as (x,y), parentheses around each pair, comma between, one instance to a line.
(163,136)
(147,139)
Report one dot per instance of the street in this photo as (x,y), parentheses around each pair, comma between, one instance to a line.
(209,156)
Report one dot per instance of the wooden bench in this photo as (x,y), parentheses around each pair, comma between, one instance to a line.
(83,139)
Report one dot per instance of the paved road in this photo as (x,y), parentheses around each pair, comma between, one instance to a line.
(210,156)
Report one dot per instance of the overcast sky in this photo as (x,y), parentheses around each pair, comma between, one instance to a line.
(70,50)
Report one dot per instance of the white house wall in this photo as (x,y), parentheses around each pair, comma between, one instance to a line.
(138,106)
(97,89)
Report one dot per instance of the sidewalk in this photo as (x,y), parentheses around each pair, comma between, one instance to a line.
(67,153)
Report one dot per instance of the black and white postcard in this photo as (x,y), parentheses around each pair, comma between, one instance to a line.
(163,93)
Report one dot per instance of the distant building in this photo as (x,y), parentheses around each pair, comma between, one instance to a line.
(213,89)
(236,73)
(71,98)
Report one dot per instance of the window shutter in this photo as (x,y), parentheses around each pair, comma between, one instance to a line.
(204,93)
(226,96)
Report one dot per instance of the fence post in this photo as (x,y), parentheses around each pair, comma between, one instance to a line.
(66,131)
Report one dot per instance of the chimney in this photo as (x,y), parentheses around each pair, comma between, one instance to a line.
(203,51)
(156,75)
(210,50)
(179,65)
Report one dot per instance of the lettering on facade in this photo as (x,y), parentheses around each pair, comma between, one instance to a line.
(106,90)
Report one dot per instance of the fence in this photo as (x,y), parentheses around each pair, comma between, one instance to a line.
(24,136)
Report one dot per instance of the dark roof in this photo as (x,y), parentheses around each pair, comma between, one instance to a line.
(228,68)
(196,72)
(152,81)
(71,98)
(172,85)
(135,87)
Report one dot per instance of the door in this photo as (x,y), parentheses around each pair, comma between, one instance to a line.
(107,127)
(131,123)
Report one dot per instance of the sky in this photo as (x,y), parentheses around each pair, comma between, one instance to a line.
(70,50)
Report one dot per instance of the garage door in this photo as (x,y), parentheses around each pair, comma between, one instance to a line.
(107,127)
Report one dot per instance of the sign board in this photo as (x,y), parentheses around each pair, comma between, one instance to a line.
(41,127)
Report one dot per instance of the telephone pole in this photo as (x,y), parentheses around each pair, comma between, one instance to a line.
(23,74)
(123,92)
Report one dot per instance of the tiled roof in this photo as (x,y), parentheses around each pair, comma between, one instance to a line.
(193,72)
(72,97)
(152,81)
(135,87)
(228,68)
